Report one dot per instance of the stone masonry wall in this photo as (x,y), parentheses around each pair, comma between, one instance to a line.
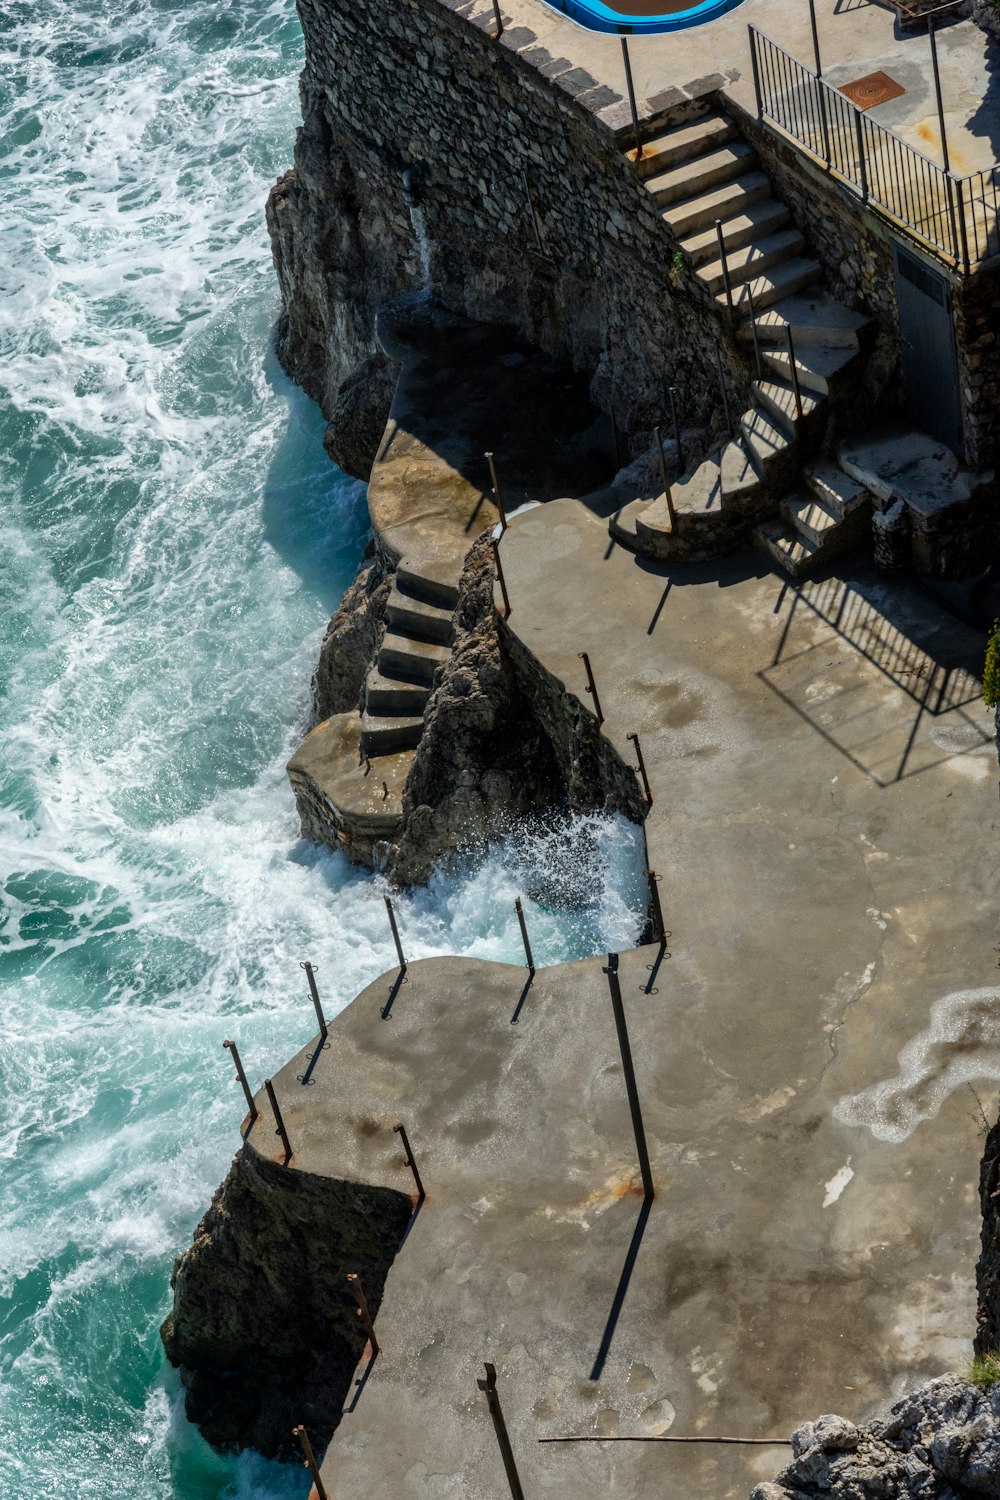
(501,128)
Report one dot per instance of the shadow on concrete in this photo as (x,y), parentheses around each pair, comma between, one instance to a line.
(874,667)
(307,1077)
(362,1379)
(397,984)
(622,1289)
(523,996)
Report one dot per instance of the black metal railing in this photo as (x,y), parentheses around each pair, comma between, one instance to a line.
(957,217)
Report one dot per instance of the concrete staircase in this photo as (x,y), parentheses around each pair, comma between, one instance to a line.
(824,515)
(705,179)
(417,641)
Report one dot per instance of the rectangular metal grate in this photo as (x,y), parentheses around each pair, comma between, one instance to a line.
(873,89)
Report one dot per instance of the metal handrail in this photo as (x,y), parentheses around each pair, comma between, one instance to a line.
(895,177)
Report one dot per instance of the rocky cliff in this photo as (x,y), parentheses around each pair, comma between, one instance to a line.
(988,1270)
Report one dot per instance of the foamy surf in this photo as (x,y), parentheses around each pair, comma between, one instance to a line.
(172,541)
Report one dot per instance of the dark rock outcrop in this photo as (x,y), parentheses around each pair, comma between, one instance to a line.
(359,415)
(352,640)
(263,1328)
(988,1269)
(942,1442)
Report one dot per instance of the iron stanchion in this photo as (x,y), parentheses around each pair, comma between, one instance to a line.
(405,1139)
(859,140)
(672,393)
(232,1048)
(592,686)
(497,496)
(654,901)
(500,578)
(794,368)
(658,435)
(499,19)
(310,1460)
(489,1389)
(314,992)
(945,154)
(269,1086)
(524,936)
(358,1291)
(625,1047)
(824,122)
(641,767)
(395,935)
(631,99)
(724,260)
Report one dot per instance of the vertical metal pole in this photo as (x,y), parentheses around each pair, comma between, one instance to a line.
(310,1460)
(489,1388)
(631,100)
(753,330)
(395,935)
(961,224)
(499,18)
(624,1046)
(314,992)
(495,543)
(945,155)
(815,37)
(592,686)
(658,435)
(354,1282)
(755,64)
(269,1087)
(794,371)
(672,393)
(524,936)
(232,1049)
(497,496)
(824,121)
(641,768)
(405,1139)
(859,136)
(724,261)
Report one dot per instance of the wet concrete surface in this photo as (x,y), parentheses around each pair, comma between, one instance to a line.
(824,825)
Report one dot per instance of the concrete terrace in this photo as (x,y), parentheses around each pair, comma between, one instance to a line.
(855,39)
(824,823)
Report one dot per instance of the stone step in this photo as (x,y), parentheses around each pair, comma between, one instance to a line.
(682,142)
(763,442)
(764,253)
(731,198)
(698,176)
(837,490)
(402,656)
(807,515)
(622,524)
(394,695)
(793,554)
(695,500)
(409,615)
(751,222)
(382,736)
(818,364)
(774,285)
(434,583)
(814,318)
(777,401)
(740,479)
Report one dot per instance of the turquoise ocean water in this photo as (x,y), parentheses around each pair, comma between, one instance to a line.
(172,541)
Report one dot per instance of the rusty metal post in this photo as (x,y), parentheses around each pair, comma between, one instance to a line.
(489,1389)
(314,992)
(625,1048)
(631,100)
(232,1048)
(269,1086)
(641,768)
(354,1282)
(500,578)
(672,393)
(405,1139)
(395,935)
(524,936)
(592,686)
(789,339)
(654,900)
(499,19)
(310,1461)
(497,496)
(658,435)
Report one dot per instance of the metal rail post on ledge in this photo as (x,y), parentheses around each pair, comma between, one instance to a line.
(395,935)
(631,99)
(658,435)
(794,370)
(310,1461)
(497,496)
(314,992)
(499,18)
(405,1139)
(641,767)
(524,936)
(269,1088)
(358,1292)
(495,543)
(489,1389)
(233,1050)
(592,686)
